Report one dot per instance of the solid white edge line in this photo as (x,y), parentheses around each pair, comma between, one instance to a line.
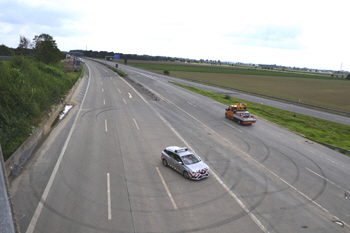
(40,206)
(251,215)
(232,126)
(326,179)
(167,189)
(109,197)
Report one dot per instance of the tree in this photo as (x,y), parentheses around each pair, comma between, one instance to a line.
(45,49)
(6,51)
(24,45)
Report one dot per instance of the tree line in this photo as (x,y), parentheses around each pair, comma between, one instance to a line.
(43,48)
(104,54)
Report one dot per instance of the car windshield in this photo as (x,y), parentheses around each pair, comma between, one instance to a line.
(190,159)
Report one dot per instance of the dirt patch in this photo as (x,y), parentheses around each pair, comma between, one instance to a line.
(68,65)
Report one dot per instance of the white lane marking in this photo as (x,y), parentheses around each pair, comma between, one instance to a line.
(326,179)
(169,92)
(332,161)
(104,101)
(124,100)
(40,206)
(167,189)
(233,127)
(244,154)
(119,91)
(191,104)
(130,95)
(103,90)
(109,210)
(101,82)
(251,215)
(137,126)
(106,125)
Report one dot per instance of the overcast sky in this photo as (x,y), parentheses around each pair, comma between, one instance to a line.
(302,33)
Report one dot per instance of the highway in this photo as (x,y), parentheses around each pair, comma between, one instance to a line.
(281,105)
(99,170)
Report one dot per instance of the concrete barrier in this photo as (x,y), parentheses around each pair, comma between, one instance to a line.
(8,221)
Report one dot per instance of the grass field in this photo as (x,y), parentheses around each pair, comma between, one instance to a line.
(315,129)
(311,88)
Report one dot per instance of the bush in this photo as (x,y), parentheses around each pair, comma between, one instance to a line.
(227,97)
(166,72)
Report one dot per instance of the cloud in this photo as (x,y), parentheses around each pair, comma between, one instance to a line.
(31,18)
(271,36)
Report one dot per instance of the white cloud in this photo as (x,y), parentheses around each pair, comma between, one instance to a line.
(293,33)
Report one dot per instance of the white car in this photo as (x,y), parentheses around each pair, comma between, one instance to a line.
(185,162)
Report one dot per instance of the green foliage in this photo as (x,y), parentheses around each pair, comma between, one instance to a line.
(315,129)
(228,97)
(6,51)
(166,72)
(46,50)
(27,88)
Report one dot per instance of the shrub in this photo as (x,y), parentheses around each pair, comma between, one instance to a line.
(227,97)
(166,72)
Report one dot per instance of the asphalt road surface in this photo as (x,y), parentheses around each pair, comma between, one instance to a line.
(286,106)
(99,170)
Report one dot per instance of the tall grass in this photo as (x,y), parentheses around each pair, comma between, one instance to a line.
(27,91)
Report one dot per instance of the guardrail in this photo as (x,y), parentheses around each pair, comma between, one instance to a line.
(344,151)
(330,110)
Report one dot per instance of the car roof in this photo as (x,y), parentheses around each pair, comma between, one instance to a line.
(181,151)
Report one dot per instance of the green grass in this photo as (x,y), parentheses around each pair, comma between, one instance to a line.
(173,66)
(28,89)
(306,87)
(314,129)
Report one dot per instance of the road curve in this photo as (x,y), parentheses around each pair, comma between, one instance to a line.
(100,171)
(285,106)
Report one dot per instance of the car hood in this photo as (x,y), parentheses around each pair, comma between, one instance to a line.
(197,166)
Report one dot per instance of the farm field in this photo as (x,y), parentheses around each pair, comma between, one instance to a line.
(317,89)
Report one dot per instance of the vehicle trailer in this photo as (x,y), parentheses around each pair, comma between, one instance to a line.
(238,112)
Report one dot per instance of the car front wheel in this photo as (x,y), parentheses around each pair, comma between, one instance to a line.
(165,163)
(185,174)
